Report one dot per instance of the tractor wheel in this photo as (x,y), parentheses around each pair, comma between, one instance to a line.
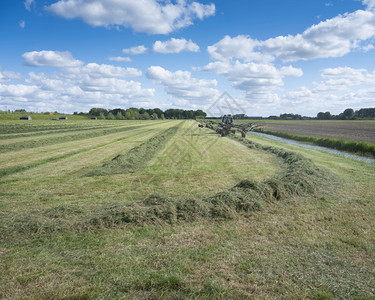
(243,133)
(223,133)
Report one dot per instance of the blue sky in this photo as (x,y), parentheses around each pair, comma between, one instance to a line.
(269,56)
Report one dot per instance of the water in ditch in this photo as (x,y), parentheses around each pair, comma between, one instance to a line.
(332,151)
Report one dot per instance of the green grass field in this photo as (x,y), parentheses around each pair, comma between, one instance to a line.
(167,210)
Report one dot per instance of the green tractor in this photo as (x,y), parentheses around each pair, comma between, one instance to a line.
(227,126)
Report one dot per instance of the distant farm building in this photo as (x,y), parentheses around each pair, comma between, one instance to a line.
(63,118)
(25,118)
(94,118)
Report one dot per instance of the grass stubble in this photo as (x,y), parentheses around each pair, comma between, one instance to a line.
(300,233)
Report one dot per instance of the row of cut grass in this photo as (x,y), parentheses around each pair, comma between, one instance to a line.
(300,178)
(21,127)
(138,157)
(44,141)
(34,134)
(48,160)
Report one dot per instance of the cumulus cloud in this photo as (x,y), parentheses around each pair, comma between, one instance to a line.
(6,76)
(181,85)
(74,88)
(98,71)
(369,3)
(175,46)
(135,50)
(344,78)
(241,46)
(250,64)
(17,90)
(120,59)
(332,38)
(253,78)
(335,37)
(150,16)
(50,59)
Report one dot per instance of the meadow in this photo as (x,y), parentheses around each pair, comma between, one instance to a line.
(167,210)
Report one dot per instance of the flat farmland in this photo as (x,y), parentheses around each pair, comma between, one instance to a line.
(359,131)
(167,210)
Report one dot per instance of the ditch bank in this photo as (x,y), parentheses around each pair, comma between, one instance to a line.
(359,149)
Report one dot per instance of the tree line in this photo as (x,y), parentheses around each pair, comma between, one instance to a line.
(348,114)
(144,114)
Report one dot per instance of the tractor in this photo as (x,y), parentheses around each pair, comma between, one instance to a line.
(227,126)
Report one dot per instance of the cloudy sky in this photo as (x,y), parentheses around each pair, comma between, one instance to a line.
(267,56)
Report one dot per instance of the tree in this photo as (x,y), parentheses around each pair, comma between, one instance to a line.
(200,112)
(111,116)
(158,111)
(324,116)
(349,113)
(145,116)
(129,114)
(365,113)
(119,116)
(96,111)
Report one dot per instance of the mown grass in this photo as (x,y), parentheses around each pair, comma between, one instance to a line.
(38,117)
(16,146)
(138,157)
(302,242)
(300,177)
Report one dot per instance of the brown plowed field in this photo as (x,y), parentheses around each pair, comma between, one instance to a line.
(360,131)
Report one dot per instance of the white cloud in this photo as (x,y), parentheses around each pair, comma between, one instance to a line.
(249,63)
(339,89)
(109,71)
(28,4)
(369,3)
(344,78)
(241,46)
(74,88)
(22,24)
(332,38)
(17,90)
(6,76)
(175,46)
(253,78)
(135,50)
(150,16)
(335,37)
(182,86)
(50,59)
(120,59)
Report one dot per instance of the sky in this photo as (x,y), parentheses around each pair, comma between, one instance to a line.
(258,57)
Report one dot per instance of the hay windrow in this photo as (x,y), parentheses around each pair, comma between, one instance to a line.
(299,178)
(138,157)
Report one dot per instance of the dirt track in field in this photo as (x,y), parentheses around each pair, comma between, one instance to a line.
(348,130)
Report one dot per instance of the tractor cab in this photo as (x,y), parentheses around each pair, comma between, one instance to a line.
(227,120)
